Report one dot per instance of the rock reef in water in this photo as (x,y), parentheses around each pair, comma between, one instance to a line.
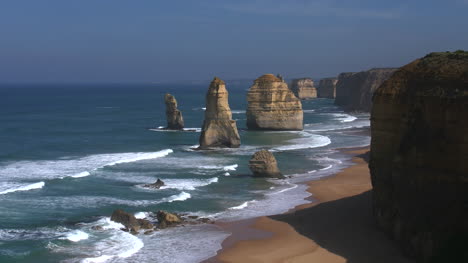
(354,90)
(419,157)
(327,88)
(263,164)
(130,222)
(166,219)
(175,121)
(273,106)
(219,130)
(304,88)
(158,184)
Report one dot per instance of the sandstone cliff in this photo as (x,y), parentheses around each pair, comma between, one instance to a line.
(354,90)
(419,157)
(173,115)
(327,88)
(273,106)
(219,130)
(304,88)
(263,164)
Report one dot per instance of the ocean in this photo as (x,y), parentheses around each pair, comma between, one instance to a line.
(71,154)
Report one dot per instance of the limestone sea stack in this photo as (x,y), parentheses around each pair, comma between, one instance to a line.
(304,88)
(263,164)
(273,106)
(219,130)
(327,88)
(175,121)
(354,90)
(419,157)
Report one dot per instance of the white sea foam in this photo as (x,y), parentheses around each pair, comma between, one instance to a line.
(71,167)
(308,111)
(326,168)
(141,156)
(237,111)
(141,215)
(76,236)
(311,141)
(230,167)
(227,174)
(243,205)
(343,117)
(82,174)
(187,184)
(27,187)
(179,197)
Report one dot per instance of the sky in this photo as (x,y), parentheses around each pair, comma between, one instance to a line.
(152,41)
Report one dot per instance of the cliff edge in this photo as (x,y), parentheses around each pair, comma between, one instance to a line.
(419,157)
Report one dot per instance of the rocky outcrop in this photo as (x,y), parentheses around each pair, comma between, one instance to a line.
(354,90)
(263,164)
(304,88)
(219,130)
(175,121)
(273,106)
(158,184)
(327,88)
(130,222)
(166,219)
(419,157)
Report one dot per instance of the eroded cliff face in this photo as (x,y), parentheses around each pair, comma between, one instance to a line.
(273,106)
(175,121)
(304,88)
(419,156)
(354,90)
(219,130)
(327,88)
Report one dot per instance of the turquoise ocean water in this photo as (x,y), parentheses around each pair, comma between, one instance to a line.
(70,155)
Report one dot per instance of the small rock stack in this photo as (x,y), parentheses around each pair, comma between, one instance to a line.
(263,164)
(175,121)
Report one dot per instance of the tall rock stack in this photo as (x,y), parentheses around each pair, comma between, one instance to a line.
(175,121)
(304,88)
(419,157)
(354,90)
(273,106)
(327,88)
(219,130)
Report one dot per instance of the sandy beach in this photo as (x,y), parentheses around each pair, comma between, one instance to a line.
(337,227)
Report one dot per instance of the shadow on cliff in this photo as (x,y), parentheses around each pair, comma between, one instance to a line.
(346,228)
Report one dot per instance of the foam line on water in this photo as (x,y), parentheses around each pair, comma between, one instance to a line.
(27,187)
(187,184)
(310,141)
(76,236)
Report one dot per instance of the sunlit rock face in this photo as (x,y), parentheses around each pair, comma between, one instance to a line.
(219,130)
(304,88)
(354,90)
(419,156)
(273,106)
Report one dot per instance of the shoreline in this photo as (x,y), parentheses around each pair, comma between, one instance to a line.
(336,226)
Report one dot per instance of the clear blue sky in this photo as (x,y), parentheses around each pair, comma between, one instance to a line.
(174,40)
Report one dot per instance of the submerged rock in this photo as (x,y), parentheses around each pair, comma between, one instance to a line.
(273,106)
(130,222)
(156,185)
(419,157)
(166,219)
(263,164)
(327,88)
(175,121)
(219,130)
(354,90)
(304,88)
